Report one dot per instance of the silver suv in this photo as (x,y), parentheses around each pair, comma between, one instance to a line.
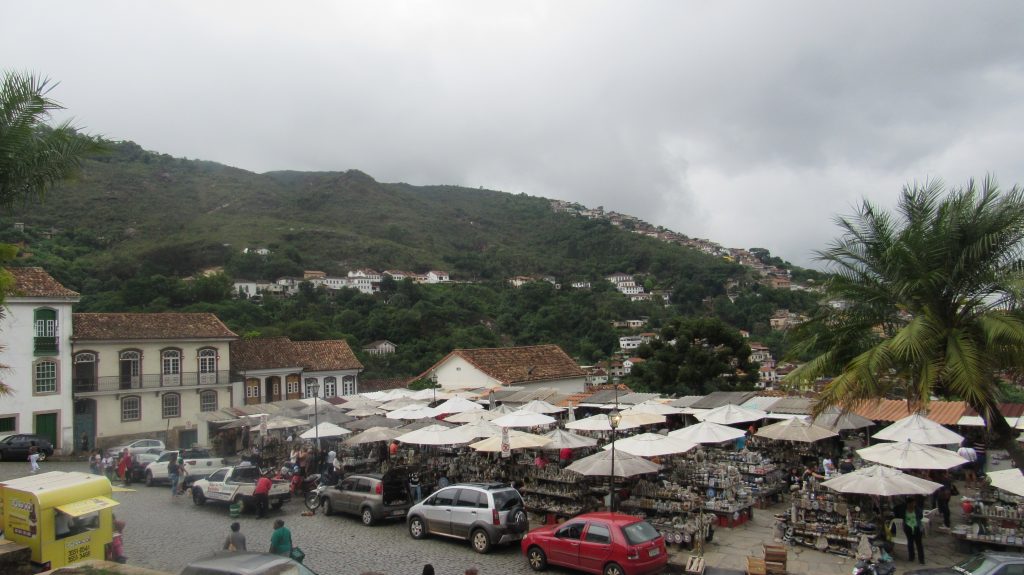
(486,514)
(371,496)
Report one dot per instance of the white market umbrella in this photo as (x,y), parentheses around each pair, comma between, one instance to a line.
(795,430)
(523,419)
(1009,480)
(708,432)
(428,395)
(399,403)
(458,405)
(417,411)
(919,429)
(324,429)
(429,435)
(730,414)
(471,431)
(321,407)
(561,439)
(388,395)
(502,410)
(880,480)
(538,406)
(601,421)
(284,423)
(365,412)
(517,440)
(833,418)
(626,465)
(471,416)
(654,407)
(358,402)
(373,435)
(652,445)
(910,455)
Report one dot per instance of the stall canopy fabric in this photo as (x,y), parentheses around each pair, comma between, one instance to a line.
(365,412)
(601,422)
(1009,480)
(626,465)
(652,445)
(417,411)
(458,405)
(883,481)
(540,406)
(359,402)
(388,395)
(320,407)
(373,435)
(654,407)
(561,439)
(374,421)
(523,419)
(517,440)
(795,430)
(430,435)
(471,431)
(279,422)
(730,414)
(400,403)
(323,430)
(708,432)
(471,416)
(911,455)
(919,429)
(836,420)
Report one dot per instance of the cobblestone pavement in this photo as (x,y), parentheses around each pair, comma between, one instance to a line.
(166,534)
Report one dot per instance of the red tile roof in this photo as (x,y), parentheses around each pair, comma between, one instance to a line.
(139,326)
(515,365)
(280,352)
(35,282)
(944,412)
(370,385)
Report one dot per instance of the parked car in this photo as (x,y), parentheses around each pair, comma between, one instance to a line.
(984,563)
(605,543)
(199,463)
(371,496)
(140,446)
(16,445)
(245,563)
(137,470)
(485,514)
(236,484)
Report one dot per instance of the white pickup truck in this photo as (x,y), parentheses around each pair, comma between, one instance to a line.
(199,463)
(236,484)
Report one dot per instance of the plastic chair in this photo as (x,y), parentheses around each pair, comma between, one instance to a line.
(926,521)
(898,536)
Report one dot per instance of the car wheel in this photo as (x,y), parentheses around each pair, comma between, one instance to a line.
(367,516)
(149,479)
(517,520)
(481,542)
(613,569)
(328,508)
(417,529)
(537,559)
(42,456)
(197,496)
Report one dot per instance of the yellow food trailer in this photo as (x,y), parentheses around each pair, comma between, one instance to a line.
(64,517)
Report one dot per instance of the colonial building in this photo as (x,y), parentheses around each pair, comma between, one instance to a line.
(531,366)
(36,353)
(272,369)
(149,374)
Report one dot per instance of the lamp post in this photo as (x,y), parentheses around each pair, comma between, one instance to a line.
(433,387)
(614,418)
(315,388)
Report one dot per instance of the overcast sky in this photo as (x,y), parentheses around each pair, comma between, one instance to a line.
(748,123)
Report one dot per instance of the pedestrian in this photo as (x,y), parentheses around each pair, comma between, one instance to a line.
(980,449)
(564,457)
(94,463)
(968,453)
(912,513)
(123,461)
(107,465)
(235,540)
(393,449)
(261,496)
(428,569)
(117,543)
(281,539)
(172,475)
(943,495)
(415,491)
(33,458)
(472,571)
(84,444)
(329,462)
(182,474)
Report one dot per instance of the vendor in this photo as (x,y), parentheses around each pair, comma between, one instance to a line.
(62,525)
(565,456)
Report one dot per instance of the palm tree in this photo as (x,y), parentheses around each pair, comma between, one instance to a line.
(926,303)
(34,156)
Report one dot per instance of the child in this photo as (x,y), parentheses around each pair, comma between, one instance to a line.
(33,459)
(117,543)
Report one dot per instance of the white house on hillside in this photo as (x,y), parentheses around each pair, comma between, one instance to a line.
(531,366)
(36,329)
(436,277)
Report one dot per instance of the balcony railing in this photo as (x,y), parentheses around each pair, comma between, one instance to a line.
(148,381)
(46,346)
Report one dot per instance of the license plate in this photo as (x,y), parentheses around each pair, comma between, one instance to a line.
(653,552)
(398,513)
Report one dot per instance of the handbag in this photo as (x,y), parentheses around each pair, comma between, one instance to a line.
(297,554)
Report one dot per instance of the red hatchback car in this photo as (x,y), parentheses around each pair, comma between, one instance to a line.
(605,543)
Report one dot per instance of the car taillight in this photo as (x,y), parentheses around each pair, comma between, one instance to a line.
(633,553)
(494,517)
(380,489)
(190,463)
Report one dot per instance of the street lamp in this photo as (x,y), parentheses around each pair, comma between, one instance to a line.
(315,388)
(614,419)
(433,386)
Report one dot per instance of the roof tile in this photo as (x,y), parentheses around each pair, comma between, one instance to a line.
(516,365)
(280,352)
(35,282)
(943,412)
(139,326)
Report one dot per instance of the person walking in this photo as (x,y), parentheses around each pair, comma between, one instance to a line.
(83,446)
(912,513)
(968,453)
(943,495)
(281,539)
(981,450)
(235,540)
(415,491)
(33,458)
(261,495)
(123,461)
(172,475)
(94,463)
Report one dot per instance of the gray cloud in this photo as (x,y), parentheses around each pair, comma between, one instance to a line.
(748,123)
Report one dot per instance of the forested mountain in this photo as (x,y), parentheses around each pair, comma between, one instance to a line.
(135,224)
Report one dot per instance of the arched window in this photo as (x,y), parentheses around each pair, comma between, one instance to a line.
(130,369)
(45,328)
(311,383)
(84,376)
(208,400)
(330,386)
(131,408)
(170,367)
(170,405)
(207,366)
(348,385)
(45,380)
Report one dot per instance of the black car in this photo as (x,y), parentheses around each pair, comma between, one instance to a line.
(985,563)
(15,446)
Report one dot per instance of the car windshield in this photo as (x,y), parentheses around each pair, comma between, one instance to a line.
(639,532)
(978,565)
(507,500)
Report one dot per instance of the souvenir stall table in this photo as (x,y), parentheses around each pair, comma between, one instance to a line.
(994,519)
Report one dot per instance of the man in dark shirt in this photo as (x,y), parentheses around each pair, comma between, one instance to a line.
(261,495)
(979,448)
